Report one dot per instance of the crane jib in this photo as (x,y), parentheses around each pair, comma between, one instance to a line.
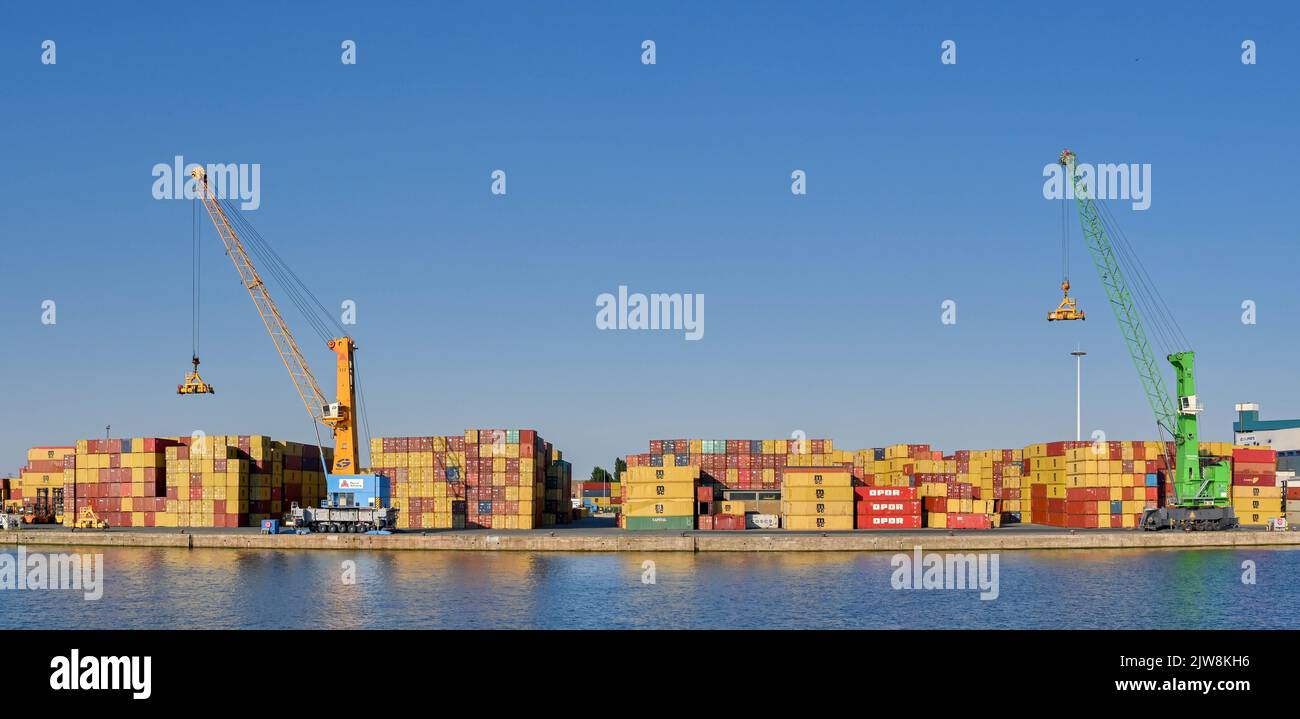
(1197,484)
(338,415)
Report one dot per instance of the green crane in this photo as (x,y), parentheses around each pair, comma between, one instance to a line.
(1201,485)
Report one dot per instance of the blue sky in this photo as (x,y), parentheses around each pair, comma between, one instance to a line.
(823,311)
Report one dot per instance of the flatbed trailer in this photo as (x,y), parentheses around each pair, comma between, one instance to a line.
(343,520)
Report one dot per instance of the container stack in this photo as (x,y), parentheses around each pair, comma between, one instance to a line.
(801,508)
(729,515)
(123,480)
(212,481)
(505,479)
(1292,493)
(232,481)
(1043,469)
(887,507)
(989,473)
(901,465)
(1256,497)
(741,464)
(660,497)
(39,486)
(602,497)
(1108,485)
(559,486)
(295,469)
(428,479)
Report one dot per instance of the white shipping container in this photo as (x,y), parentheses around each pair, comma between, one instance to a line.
(762,521)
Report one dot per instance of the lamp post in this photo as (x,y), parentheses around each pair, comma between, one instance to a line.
(1078,394)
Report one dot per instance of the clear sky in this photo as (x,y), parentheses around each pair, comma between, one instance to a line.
(924,183)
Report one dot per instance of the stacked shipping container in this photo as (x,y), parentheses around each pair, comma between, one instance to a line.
(888,507)
(660,497)
(818,498)
(234,481)
(483,478)
(558,508)
(38,488)
(1292,492)
(742,464)
(427,476)
(505,479)
(1109,485)
(206,481)
(602,496)
(1256,496)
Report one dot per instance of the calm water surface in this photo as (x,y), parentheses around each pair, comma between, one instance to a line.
(211,588)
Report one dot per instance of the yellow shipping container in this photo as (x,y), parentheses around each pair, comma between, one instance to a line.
(818,494)
(829,477)
(733,507)
(660,490)
(817,508)
(1257,492)
(660,507)
(1248,505)
(661,474)
(828,523)
(1257,517)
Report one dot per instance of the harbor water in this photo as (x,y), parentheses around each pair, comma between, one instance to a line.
(152,588)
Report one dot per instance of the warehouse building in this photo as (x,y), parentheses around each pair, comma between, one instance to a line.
(1282,435)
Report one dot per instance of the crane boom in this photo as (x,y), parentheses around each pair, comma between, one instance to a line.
(1121,301)
(339,415)
(1200,487)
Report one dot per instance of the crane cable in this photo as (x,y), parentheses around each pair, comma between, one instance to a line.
(194,278)
(322,322)
(1176,331)
(288,281)
(1154,306)
(1065,241)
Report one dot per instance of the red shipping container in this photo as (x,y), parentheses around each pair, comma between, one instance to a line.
(885,492)
(1254,455)
(898,507)
(1255,480)
(729,522)
(871,521)
(704,494)
(706,522)
(965,520)
(936,504)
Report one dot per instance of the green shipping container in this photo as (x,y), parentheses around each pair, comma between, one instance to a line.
(677,524)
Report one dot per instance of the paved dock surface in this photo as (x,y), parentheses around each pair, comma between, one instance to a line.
(599,535)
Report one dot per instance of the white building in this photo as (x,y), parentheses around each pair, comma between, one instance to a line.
(1282,435)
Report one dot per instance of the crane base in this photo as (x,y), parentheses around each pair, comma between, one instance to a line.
(1200,519)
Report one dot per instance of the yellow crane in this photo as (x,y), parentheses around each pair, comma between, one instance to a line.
(340,415)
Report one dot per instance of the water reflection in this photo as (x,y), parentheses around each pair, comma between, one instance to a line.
(213,588)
